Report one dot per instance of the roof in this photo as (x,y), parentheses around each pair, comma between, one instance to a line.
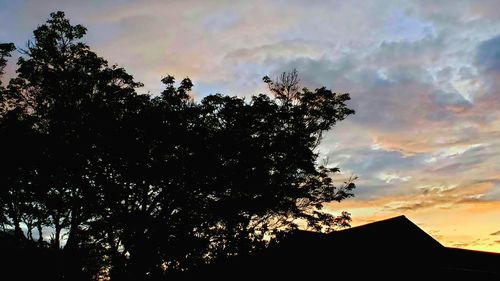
(392,249)
(398,231)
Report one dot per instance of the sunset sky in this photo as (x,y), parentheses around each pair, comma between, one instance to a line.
(424,78)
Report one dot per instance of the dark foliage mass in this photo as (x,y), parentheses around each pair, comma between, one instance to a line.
(131,186)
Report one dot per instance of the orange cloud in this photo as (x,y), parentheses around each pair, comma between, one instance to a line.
(456,216)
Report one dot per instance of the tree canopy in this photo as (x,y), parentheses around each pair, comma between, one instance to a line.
(135,185)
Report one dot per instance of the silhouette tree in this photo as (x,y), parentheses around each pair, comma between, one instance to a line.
(5,50)
(262,152)
(136,185)
(56,109)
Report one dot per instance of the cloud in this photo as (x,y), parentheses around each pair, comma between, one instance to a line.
(393,177)
(488,55)
(427,50)
(496,233)
(452,100)
(281,50)
(428,197)
(463,244)
(487,61)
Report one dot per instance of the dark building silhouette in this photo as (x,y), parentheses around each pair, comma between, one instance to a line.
(392,249)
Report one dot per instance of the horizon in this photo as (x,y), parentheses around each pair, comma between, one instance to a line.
(423,78)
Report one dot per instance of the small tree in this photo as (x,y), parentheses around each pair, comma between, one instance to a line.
(285,87)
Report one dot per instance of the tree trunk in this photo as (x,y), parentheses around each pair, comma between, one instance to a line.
(72,242)
(18,232)
(117,260)
(40,232)
(29,232)
(57,226)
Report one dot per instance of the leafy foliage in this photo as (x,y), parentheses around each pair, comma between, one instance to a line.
(135,184)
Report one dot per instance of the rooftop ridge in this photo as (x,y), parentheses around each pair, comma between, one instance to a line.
(390,222)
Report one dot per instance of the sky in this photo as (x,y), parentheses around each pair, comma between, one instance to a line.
(423,76)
